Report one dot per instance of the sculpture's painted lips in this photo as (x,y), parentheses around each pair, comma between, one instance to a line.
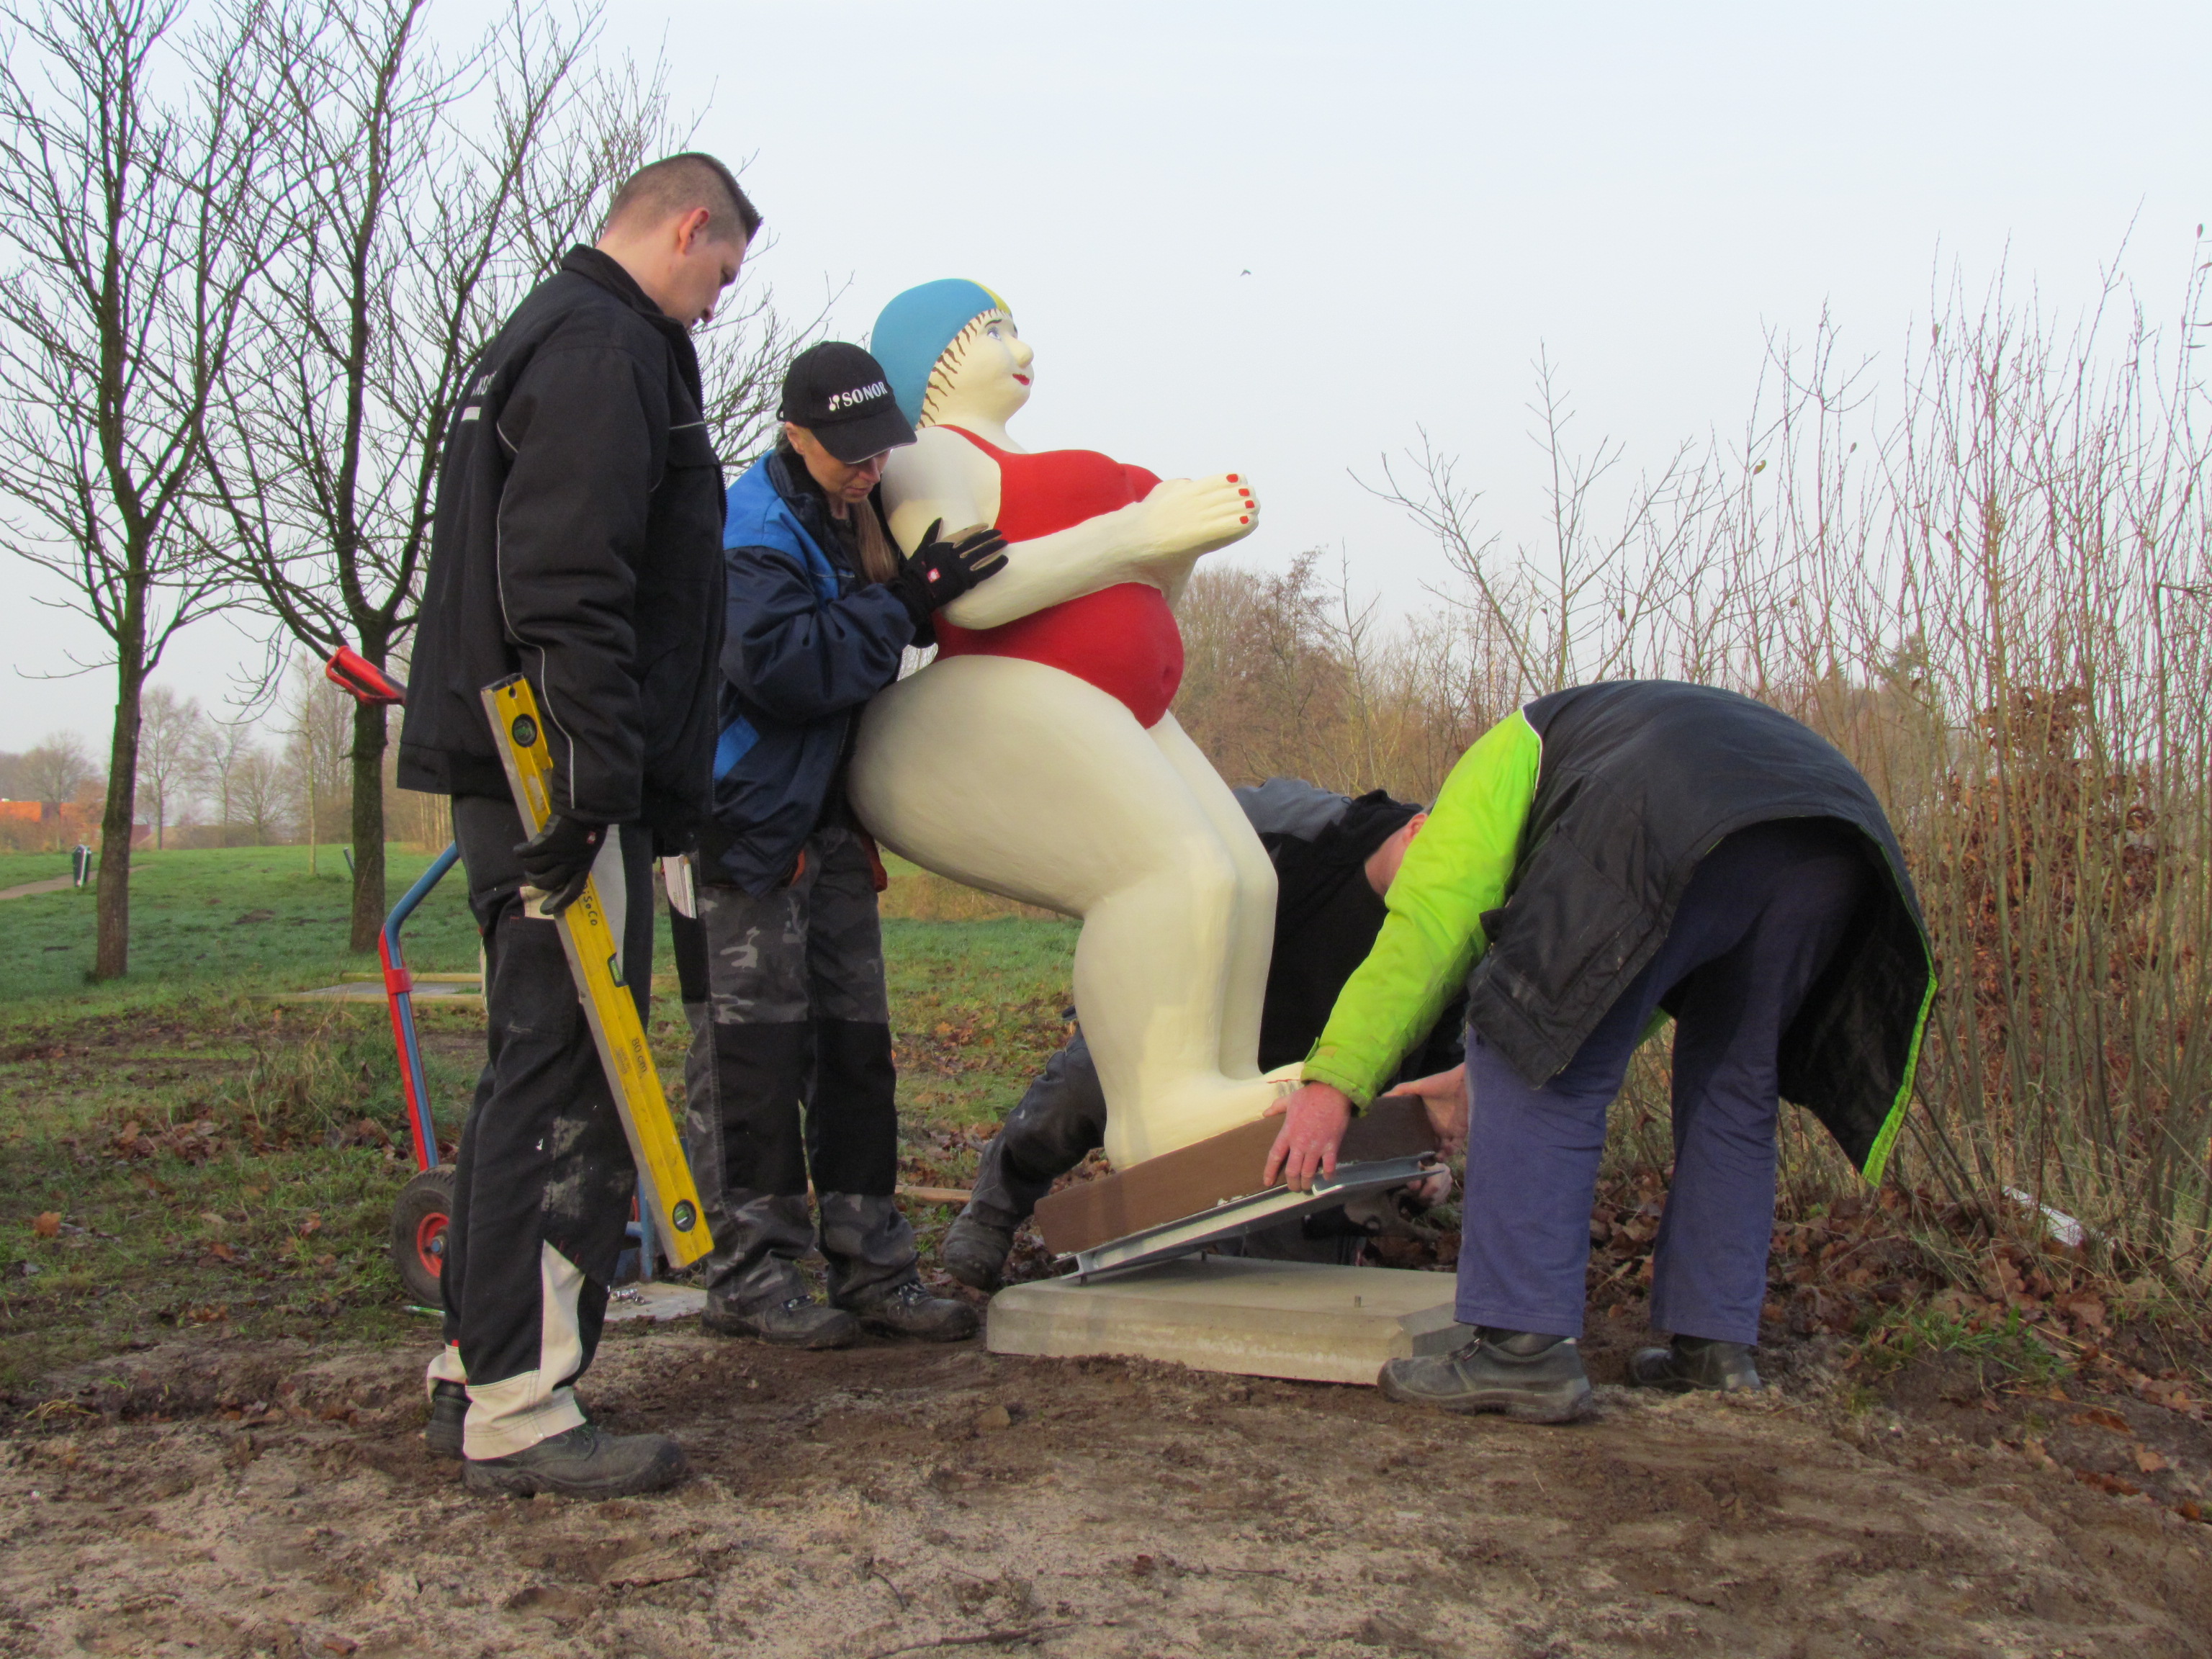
(1023,379)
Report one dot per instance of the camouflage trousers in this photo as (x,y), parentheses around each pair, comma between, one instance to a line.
(789,1076)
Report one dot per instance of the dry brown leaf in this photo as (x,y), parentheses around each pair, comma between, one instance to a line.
(46,1225)
(2100,1417)
(2148,1460)
(653,1567)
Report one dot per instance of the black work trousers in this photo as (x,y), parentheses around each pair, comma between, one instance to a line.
(544,1182)
(1059,1118)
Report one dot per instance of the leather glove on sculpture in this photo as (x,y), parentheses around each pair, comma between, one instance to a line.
(1036,757)
(939,572)
(557,861)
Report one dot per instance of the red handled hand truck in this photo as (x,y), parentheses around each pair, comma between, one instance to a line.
(424,1208)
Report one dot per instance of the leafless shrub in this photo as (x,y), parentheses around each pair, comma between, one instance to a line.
(1987,583)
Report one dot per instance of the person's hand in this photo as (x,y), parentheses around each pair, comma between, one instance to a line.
(1443,1096)
(939,570)
(1186,517)
(557,861)
(1314,1122)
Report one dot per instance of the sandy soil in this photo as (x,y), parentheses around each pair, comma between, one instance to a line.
(254,1498)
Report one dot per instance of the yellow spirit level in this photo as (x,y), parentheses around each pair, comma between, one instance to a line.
(666,1191)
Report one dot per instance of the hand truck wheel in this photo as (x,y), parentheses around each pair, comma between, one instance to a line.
(419,1223)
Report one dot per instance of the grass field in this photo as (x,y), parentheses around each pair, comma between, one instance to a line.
(183,1154)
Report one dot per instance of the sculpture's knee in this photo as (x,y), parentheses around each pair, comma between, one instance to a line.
(1193,885)
(1207,876)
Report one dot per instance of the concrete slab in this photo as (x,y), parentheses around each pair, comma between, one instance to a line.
(1291,1319)
(656,1301)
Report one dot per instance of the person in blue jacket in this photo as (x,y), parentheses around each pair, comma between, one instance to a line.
(790,1073)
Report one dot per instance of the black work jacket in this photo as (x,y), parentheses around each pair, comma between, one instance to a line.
(1327,916)
(577,540)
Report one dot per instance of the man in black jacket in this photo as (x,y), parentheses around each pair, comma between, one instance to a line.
(1334,860)
(822,608)
(577,542)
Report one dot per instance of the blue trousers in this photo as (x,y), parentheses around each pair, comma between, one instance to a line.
(1760,919)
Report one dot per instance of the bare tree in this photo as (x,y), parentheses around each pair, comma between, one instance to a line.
(121,216)
(316,767)
(1576,607)
(258,785)
(424,191)
(172,755)
(58,769)
(227,743)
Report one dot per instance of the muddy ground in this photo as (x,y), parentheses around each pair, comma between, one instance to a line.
(236,1497)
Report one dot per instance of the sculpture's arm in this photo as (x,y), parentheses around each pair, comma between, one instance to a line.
(1153,540)
(1049,570)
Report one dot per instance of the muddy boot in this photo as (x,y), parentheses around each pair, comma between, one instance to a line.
(1695,1362)
(1059,1118)
(1529,1376)
(796,1322)
(974,1252)
(873,1274)
(449,1412)
(754,1287)
(580,1463)
(906,1310)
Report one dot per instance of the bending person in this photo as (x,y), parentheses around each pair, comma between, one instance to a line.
(1334,860)
(1036,759)
(1605,855)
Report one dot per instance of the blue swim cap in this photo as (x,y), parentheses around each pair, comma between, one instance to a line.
(912,332)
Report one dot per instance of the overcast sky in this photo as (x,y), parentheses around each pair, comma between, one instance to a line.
(1422,196)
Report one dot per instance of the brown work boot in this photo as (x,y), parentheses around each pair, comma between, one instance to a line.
(906,1310)
(791,1322)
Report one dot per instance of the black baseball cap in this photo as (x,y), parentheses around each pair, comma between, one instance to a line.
(841,395)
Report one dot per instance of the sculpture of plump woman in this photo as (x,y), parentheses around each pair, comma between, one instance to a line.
(1036,757)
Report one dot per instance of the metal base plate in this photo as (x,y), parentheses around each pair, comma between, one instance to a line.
(1235,1217)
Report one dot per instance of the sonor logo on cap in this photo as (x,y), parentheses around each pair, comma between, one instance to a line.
(858,395)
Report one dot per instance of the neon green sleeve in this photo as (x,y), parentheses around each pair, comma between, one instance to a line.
(1457,868)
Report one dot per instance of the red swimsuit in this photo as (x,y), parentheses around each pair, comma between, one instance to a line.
(1122,639)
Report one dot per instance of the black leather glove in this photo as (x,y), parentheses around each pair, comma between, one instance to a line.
(939,572)
(557,861)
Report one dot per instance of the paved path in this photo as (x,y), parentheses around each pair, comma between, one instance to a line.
(57,884)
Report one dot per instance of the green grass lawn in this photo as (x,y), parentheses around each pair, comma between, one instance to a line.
(238,919)
(211,1160)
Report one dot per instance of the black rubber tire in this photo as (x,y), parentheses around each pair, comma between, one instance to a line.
(419,1220)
